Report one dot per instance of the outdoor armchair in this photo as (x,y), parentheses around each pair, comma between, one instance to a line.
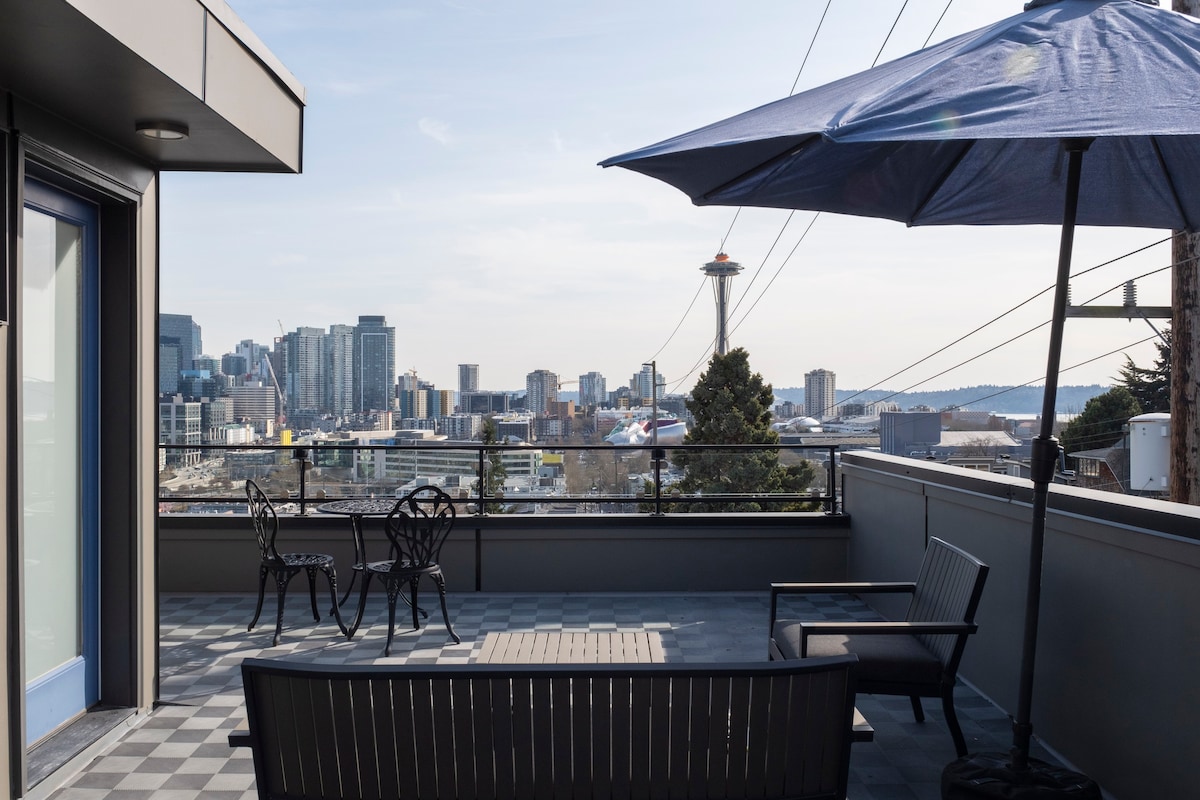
(918,656)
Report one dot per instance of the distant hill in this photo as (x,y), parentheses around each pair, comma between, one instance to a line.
(999,399)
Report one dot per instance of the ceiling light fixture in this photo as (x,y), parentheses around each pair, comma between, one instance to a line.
(162,130)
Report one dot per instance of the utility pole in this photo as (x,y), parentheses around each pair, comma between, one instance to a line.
(1185,349)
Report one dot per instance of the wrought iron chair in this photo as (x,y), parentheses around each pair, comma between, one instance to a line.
(917,657)
(284,566)
(416,528)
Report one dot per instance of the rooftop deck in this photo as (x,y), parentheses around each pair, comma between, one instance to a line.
(179,751)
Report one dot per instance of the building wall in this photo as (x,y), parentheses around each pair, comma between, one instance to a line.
(820,394)
(374,365)
(899,432)
(126,193)
(339,362)
(468,378)
(541,389)
(75,78)
(1118,637)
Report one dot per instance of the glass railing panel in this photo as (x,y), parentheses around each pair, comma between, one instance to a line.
(511,479)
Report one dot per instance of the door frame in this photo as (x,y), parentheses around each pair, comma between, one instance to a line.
(45,697)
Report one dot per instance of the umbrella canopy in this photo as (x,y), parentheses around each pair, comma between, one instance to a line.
(969,131)
(1075,111)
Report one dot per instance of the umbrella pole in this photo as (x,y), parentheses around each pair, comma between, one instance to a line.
(1044,458)
(991,776)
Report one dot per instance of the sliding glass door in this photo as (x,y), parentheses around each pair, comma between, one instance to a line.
(59,334)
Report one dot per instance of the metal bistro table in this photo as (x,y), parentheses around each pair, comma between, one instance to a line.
(357,510)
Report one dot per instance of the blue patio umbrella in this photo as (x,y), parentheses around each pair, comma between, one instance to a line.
(1073,112)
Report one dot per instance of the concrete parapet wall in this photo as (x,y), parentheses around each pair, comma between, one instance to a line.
(1118,639)
(542,553)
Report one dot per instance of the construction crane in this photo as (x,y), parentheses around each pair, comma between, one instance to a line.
(282,418)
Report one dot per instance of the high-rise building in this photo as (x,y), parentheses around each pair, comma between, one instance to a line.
(593,390)
(820,395)
(235,365)
(642,385)
(207,362)
(414,403)
(338,357)
(305,383)
(169,369)
(468,378)
(541,389)
(374,365)
(185,332)
(253,353)
(178,346)
(441,402)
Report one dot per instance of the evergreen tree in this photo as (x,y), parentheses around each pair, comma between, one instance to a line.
(1151,386)
(1102,422)
(496,473)
(732,405)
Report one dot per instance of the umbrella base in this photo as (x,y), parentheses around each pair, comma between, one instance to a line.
(992,776)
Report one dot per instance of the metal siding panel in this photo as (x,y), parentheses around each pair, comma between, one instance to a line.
(238,89)
(168,34)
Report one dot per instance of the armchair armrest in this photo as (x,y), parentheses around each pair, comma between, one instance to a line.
(854,587)
(885,628)
(240,736)
(858,587)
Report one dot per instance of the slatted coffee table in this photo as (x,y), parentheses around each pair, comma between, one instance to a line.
(586,647)
(565,647)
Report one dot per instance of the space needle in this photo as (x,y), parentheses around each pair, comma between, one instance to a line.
(721,269)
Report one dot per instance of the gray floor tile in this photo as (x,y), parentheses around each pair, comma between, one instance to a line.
(180,752)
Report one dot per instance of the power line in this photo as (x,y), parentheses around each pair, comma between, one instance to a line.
(782,264)
(681,320)
(1001,316)
(1043,377)
(807,52)
(754,277)
(939,22)
(888,38)
(786,222)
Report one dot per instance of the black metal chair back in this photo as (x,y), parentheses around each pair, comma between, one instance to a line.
(418,526)
(284,566)
(264,519)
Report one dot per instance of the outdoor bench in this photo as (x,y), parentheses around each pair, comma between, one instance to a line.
(500,731)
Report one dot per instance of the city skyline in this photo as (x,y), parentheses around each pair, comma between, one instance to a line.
(463,202)
(600,383)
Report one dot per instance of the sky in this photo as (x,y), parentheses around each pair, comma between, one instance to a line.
(450,183)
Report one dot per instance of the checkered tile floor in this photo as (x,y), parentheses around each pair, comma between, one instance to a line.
(180,752)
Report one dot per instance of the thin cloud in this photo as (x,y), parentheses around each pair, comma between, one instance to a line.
(435,129)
